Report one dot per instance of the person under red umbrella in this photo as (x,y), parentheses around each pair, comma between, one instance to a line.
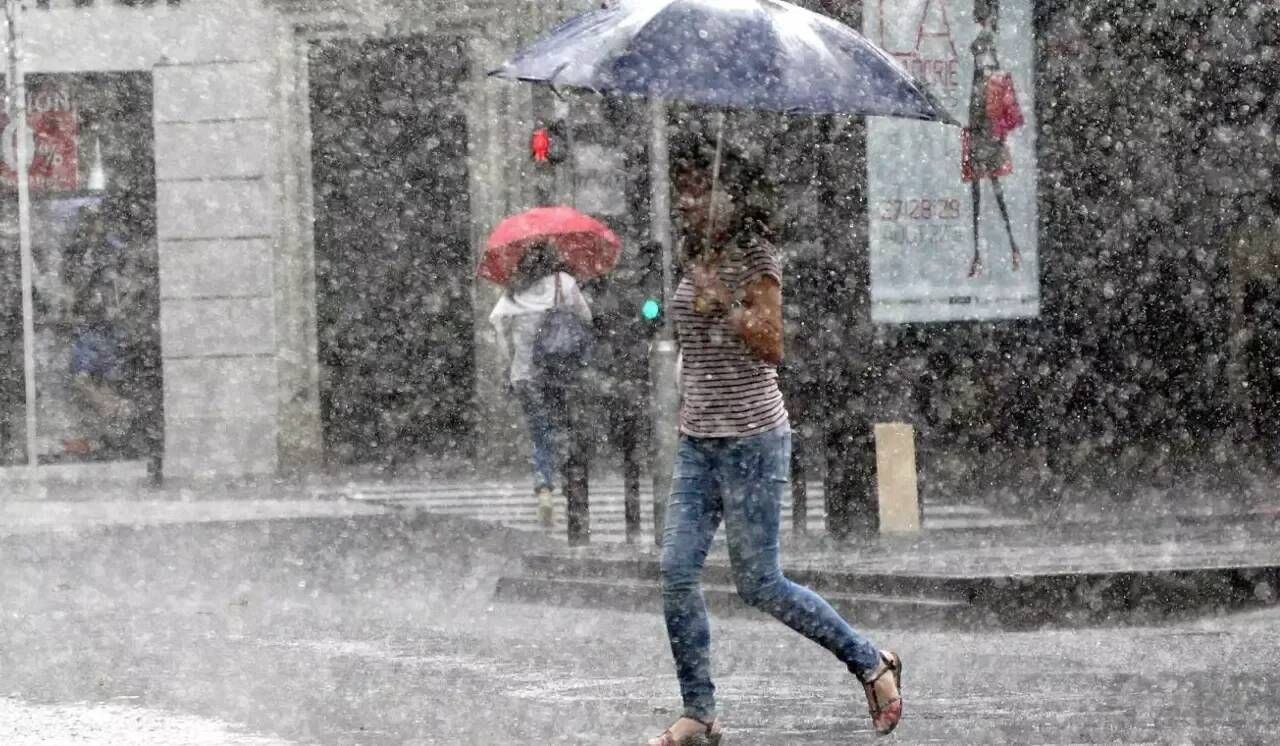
(539,256)
(534,287)
(585,246)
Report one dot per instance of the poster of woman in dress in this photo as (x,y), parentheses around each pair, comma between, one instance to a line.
(953,211)
(993,114)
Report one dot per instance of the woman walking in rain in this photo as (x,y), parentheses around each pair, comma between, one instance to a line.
(734,454)
(538,285)
(986,154)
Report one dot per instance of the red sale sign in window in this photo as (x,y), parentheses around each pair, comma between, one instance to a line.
(53,144)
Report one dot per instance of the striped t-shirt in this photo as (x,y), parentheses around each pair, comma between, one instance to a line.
(728,392)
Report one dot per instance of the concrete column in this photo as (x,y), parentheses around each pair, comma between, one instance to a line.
(216,221)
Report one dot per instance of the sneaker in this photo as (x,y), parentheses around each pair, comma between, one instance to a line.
(546,509)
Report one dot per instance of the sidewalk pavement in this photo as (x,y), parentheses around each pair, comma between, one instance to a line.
(960,538)
(78,507)
(969,564)
(1105,561)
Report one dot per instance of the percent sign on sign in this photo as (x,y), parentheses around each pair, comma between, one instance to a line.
(53,145)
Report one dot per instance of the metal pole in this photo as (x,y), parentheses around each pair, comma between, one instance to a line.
(577,469)
(664,397)
(630,477)
(799,487)
(577,472)
(572,160)
(660,199)
(18,114)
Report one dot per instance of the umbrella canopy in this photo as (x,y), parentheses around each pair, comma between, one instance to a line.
(746,54)
(586,246)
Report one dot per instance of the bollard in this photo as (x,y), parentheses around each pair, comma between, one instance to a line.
(850,499)
(896,483)
(630,480)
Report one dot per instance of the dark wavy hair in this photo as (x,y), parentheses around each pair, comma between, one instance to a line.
(745,180)
(539,260)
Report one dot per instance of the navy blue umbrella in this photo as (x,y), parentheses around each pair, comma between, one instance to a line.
(744,54)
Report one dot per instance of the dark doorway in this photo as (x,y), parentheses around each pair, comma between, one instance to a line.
(393,264)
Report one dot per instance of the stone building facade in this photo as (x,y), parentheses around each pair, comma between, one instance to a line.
(235,195)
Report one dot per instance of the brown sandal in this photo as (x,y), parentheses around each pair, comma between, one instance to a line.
(885,716)
(713,736)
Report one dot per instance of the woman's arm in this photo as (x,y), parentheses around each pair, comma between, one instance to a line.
(758,321)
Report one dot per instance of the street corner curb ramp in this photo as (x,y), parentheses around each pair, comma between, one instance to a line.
(919,589)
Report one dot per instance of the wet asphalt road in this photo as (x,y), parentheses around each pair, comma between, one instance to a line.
(381,630)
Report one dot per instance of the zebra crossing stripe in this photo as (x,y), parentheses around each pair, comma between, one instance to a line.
(511,504)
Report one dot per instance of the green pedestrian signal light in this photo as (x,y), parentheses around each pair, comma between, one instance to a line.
(648,289)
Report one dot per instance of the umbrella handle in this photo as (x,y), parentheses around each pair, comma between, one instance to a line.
(715,175)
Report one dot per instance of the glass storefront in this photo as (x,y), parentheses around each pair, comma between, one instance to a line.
(96,282)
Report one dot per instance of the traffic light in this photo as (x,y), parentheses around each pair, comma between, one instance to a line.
(651,309)
(548,144)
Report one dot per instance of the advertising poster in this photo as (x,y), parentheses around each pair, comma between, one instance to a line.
(953,211)
(54,142)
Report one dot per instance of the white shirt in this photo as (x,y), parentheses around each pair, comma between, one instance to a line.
(516,318)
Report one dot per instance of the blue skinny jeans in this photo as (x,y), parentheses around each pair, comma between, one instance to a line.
(546,411)
(740,480)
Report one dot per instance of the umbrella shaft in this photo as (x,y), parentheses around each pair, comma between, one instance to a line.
(715,175)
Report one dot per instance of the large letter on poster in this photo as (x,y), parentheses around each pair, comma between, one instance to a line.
(953,212)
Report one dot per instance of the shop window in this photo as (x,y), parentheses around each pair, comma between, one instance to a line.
(96,280)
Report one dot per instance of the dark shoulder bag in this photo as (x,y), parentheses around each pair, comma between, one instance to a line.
(562,344)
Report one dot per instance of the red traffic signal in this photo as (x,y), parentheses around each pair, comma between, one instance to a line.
(540,145)
(547,144)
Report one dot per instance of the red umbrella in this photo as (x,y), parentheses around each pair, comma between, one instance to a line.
(586,246)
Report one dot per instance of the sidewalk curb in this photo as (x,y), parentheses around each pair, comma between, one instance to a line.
(1062,599)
